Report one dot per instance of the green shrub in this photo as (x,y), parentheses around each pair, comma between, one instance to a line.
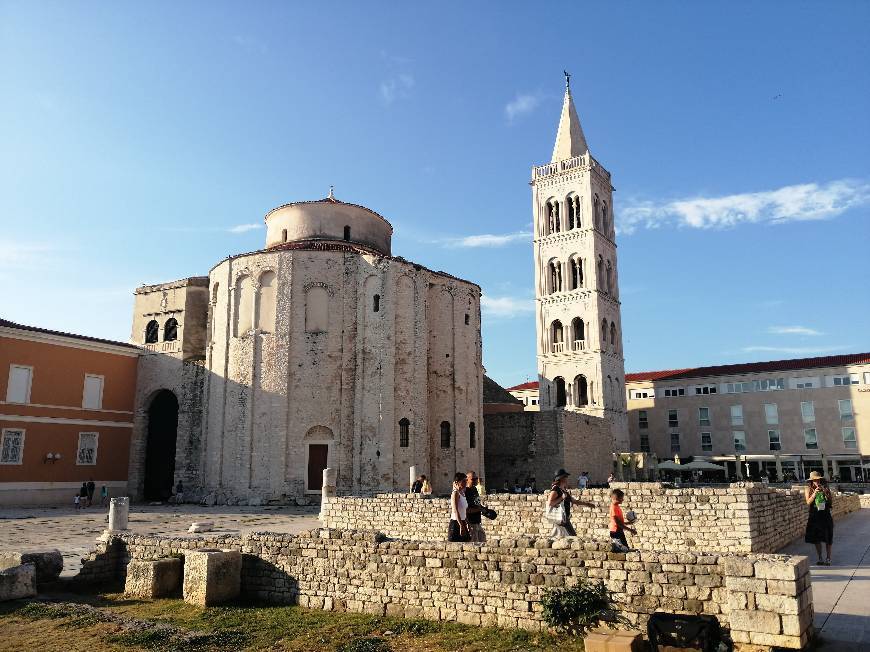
(576,609)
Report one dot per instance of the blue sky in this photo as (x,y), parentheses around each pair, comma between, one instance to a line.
(139,141)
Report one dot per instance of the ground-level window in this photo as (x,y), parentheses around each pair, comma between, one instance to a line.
(774,439)
(675,442)
(87,452)
(445,434)
(739,440)
(404,433)
(849,439)
(12,446)
(810,439)
(472,435)
(644,444)
(706,442)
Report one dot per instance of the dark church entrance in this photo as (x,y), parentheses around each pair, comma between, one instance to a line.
(160,448)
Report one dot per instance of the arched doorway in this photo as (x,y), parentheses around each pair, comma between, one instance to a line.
(160,447)
(561,398)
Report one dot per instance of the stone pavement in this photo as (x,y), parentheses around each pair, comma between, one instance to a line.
(841,592)
(75,533)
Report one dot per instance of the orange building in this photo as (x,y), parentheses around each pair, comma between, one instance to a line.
(66,414)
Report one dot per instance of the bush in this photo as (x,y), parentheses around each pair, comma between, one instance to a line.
(373,644)
(576,609)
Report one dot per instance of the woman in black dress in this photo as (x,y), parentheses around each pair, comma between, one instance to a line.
(820,523)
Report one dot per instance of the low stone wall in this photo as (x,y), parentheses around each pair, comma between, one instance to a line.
(752,518)
(762,599)
(865,500)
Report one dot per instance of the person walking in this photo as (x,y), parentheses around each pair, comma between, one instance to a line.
(83,495)
(179,493)
(91,487)
(104,496)
(417,487)
(583,480)
(559,495)
(820,523)
(457,530)
(472,497)
(617,518)
(77,501)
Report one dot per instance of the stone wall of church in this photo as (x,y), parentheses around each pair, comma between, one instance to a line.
(350,346)
(536,444)
(761,599)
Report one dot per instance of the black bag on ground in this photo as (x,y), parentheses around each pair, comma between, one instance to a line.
(684,631)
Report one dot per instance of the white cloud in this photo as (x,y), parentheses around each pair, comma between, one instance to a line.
(27,255)
(244,228)
(793,350)
(793,330)
(522,104)
(396,88)
(488,239)
(808,201)
(506,306)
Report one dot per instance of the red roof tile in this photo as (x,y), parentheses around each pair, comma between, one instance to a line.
(530,385)
(751,367)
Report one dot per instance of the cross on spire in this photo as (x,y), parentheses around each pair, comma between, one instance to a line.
(567,79)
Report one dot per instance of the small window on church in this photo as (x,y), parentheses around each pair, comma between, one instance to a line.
(151,332)
(376,303)
(472,435)
(283,235)
(404,433)
(467,319)
(445,434)
(347,233)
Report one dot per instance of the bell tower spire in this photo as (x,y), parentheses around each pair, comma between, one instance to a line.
(578,315)
(570,141)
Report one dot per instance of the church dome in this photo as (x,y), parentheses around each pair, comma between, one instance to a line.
(328,219)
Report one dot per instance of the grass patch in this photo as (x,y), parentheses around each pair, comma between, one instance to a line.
(109,622)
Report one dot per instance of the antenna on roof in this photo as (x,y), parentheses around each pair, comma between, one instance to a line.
(331,193)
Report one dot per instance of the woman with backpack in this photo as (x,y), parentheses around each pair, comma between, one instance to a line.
(558,509)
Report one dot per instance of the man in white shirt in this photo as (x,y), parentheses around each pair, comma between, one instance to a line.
(583,480)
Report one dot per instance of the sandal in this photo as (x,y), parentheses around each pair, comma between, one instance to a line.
(828,561)
(820,562)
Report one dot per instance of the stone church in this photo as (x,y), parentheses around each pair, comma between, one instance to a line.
(321,349)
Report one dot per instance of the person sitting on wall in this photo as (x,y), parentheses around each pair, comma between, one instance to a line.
(457,529)
(417,487)
(559,494)
(820,523)
(426,489)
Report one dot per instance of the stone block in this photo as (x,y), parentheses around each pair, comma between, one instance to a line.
(777,570)
(765,622)
(737,566)
(212,576)
(160,578)
(48,562)
(18,582)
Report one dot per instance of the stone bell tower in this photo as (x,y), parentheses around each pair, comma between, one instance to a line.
(579,327)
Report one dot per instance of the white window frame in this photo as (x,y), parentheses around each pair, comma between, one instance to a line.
(676,419)
(644,443)
(21,448)
(701,420)
(851,413)
(771,420)
(770,441)
(79,448)
(815,439)
(811,418)
(742,434)
(99,405)
(853,440)
(29,383)
(675,448)
(642,420)
(710,444)
(737,420)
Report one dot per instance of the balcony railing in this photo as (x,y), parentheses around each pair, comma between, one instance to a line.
(567,164)
(173,346)
(578,345)
(558,347)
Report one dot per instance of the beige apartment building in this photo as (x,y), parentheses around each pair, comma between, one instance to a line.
(783,418)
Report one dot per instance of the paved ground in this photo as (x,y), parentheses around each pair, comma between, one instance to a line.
(841,592)
(75,533)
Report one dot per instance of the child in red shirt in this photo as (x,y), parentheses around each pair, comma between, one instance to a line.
(617,520)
